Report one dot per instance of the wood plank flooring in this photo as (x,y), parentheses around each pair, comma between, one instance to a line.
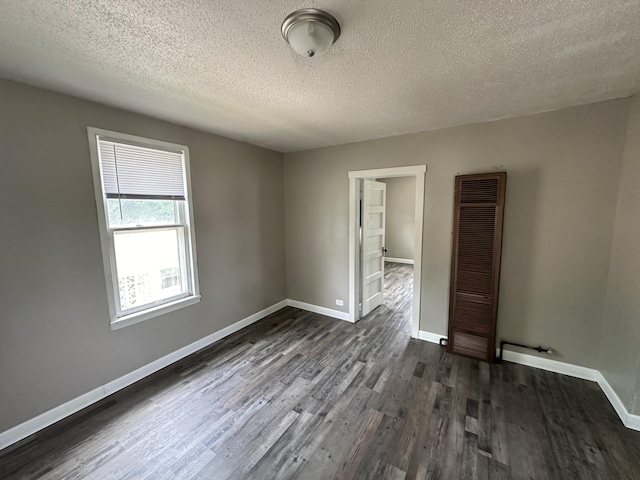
(300,395)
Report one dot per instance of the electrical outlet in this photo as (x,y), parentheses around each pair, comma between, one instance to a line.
(340,303)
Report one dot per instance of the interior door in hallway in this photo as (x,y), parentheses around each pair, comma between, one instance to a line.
(373,218)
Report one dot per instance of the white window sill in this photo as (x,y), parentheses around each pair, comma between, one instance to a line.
(153,312)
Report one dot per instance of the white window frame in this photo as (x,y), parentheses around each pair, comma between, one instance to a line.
(117,318)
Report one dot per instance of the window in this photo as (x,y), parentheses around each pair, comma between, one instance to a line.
(146,225)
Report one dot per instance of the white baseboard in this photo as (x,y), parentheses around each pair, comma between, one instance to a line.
(321,310)
(56,414)
(629,420)
(633,422)
(398,260)
(23,430)
(550,365)
(430,337)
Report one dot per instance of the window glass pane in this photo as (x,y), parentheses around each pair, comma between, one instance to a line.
(149,265)
(126,212)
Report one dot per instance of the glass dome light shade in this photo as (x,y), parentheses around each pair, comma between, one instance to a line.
(310,31)
(310,39)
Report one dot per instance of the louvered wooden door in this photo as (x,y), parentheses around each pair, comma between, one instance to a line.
(475,264)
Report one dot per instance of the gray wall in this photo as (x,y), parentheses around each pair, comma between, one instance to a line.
(564,168)
(55,339)
(620,362)
(400,216)
(564,171)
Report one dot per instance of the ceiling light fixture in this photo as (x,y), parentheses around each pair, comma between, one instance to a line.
(310,32)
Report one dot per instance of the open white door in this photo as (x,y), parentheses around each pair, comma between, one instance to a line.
(373,217)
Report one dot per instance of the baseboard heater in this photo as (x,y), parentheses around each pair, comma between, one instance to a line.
(539,348)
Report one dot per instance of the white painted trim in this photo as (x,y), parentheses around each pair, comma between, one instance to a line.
(321,310)
(19,432)
(550,365)
(408,261)
(409,171)
(25,429)
(633,422)
(417,251)
(354,245)
(154,312)
(430,337)
(628,419)
(106,236)
(531,360)
(354,258)
(613,398)
(105,243)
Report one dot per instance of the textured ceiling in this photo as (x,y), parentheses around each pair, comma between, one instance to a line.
(398,67)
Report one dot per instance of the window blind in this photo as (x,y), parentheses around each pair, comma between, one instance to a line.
(131,171)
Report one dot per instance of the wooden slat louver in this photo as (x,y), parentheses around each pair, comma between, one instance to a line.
(475,264)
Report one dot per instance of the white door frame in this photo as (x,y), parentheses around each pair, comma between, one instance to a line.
(417,171)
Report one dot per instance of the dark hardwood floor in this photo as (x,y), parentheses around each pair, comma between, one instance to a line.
(300,395)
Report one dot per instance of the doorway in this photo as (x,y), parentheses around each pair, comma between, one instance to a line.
(356,179)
